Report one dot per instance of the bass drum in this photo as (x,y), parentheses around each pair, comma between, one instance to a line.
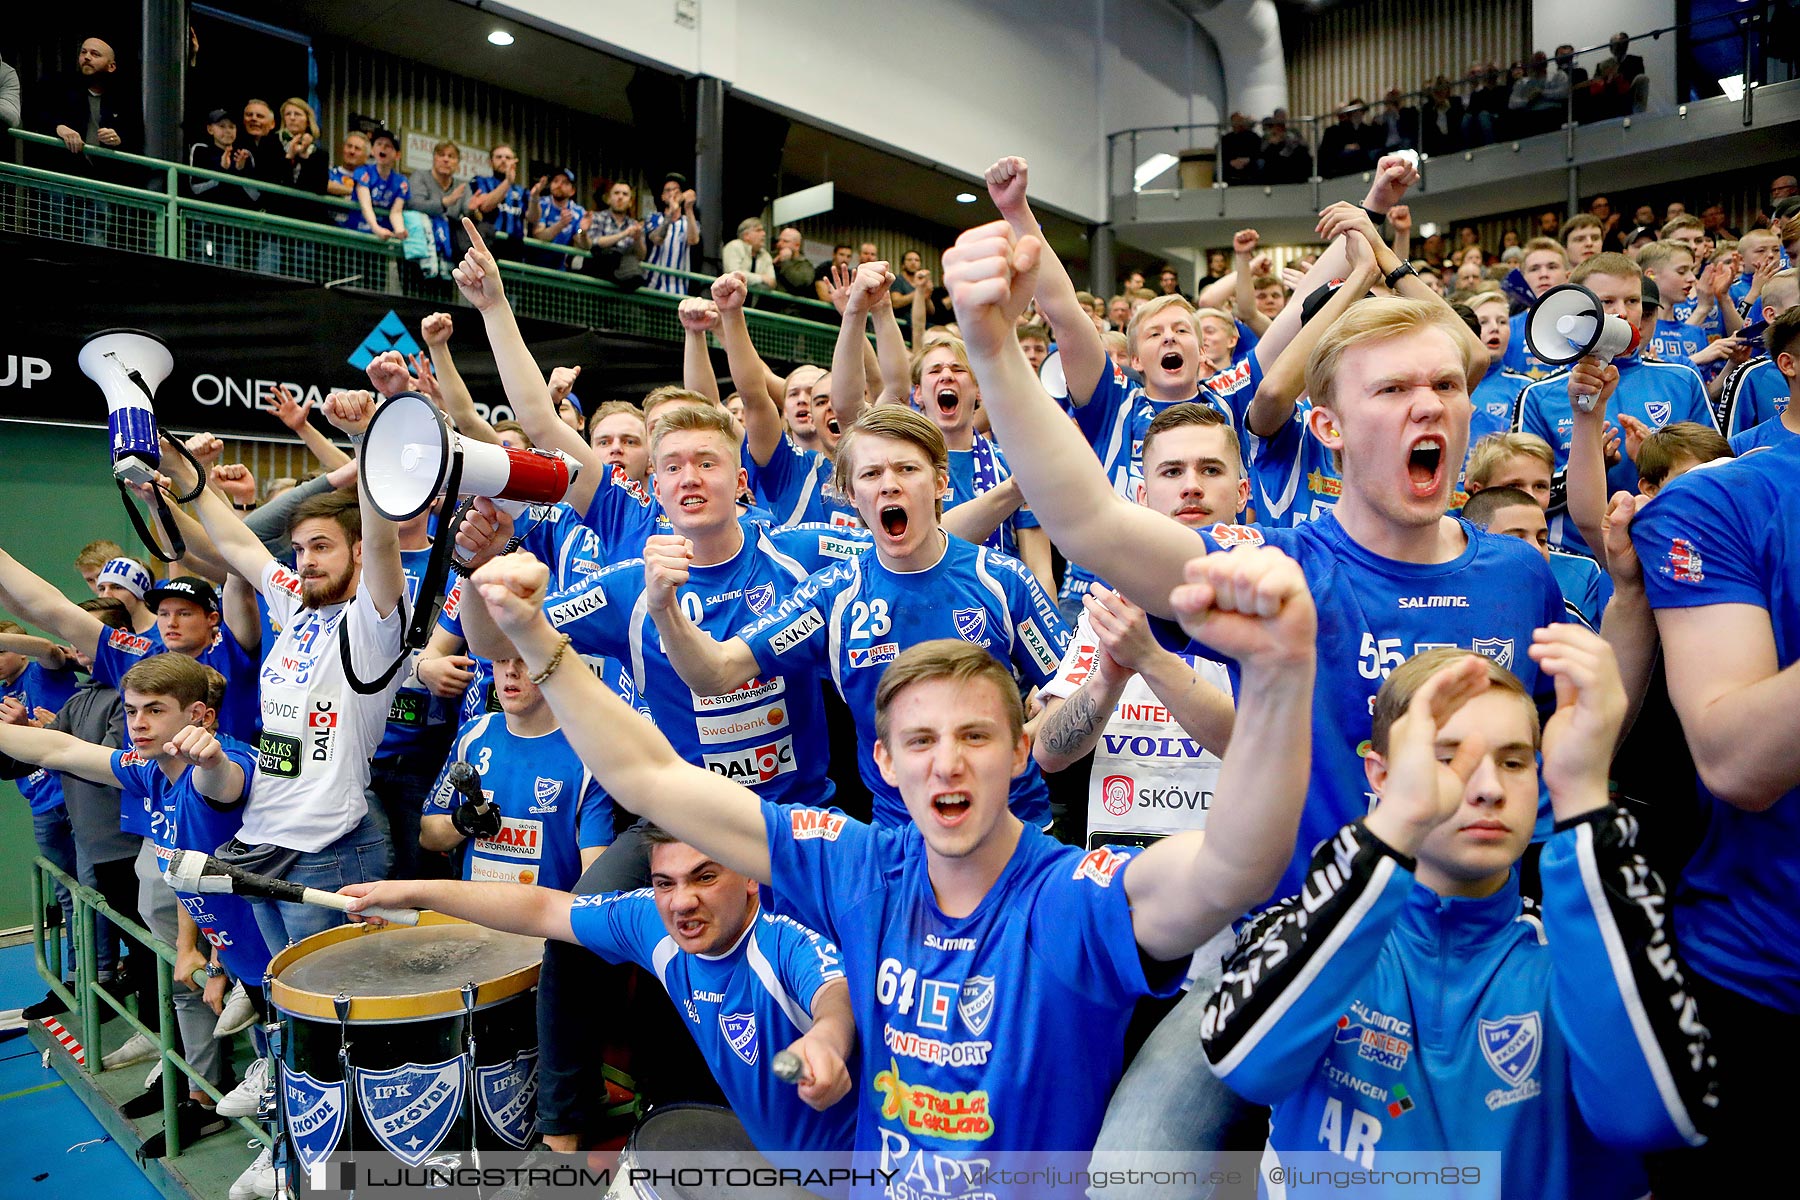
(411,1090)
(696,1152)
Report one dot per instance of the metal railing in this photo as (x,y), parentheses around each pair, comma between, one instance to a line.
(90,1000)
(1188,157)
(169,223)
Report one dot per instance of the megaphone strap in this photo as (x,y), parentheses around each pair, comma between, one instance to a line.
(178,544)
(199,472)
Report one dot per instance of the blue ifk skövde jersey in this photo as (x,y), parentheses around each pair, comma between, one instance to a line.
(1754,394)
(741,1007)
(183,819)
(1586,589)
(1396,1030)
(240,716)
(1119,413)
(1494,397)
(413,709)
(768,734)
(1712,327)
(1374,614)
(795,486)
(35,687)
(1729,533)
(1657,394)
(551,808)
(1518,357)
(624,515)
(1292,477)
(999,1031)
(383,191)
(1675,342)
(854,618)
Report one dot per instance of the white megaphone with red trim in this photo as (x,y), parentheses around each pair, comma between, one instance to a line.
(1569,323)
(409,448)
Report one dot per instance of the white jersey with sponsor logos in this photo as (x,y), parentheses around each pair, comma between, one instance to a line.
(318,736)
(1149,777)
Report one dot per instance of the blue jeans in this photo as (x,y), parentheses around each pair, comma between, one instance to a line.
(1170,1101)
(56,842)
(357,857)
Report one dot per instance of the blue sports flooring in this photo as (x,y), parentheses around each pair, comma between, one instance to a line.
(55,1149)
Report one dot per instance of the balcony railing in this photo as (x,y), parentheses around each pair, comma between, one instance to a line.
(160,219)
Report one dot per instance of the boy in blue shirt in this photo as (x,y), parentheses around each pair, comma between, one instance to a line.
(1783,339)
(977,942)
(1720,548)
(1671,265)
(1656,394)
(548,820)
(850,620)
(381,190)
(1757,392)
(1410,977)
(747,984)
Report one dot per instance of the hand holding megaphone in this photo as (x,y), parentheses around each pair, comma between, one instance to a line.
(1592,382)
(410,453)
(485,532)
(1569,323)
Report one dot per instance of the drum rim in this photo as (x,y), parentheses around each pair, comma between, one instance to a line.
(372,1010)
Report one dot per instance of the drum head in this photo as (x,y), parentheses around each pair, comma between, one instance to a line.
(678,1136)
(398,973)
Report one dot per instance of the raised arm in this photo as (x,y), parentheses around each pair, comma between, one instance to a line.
(382,577)
(294,415)
(892,358)
(990,276)
(707,665)
(1083,353)
(27,595)
(439,378)
(42,651)
(242,550)
(1284,377)
(749,374)
(699,317)
(629,758)
(1252,604)
(1243,293)
(57,751)
(478,276)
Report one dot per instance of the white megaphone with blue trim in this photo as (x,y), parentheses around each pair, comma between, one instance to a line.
(128,365)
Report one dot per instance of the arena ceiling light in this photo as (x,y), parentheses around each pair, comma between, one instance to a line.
(500,38)
(965,197)
(1150,168)
(1733,87)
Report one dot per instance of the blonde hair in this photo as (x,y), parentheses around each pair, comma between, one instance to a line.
(1659,254)
(312,118)
(952,659)
(613,408)
(898,423)
(693,418)
(1150,308)
(1396,694)
(1611,265)
(1381,319)
(97,554)
(1544,244)
(938,341)
(1492,452)
(1678,224)
(671,393)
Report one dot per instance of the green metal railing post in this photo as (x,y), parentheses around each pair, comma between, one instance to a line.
(171,1094)
(87,979)
(172,217)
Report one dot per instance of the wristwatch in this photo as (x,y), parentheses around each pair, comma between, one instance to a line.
(213,970)
(1397,274)
(1379,218)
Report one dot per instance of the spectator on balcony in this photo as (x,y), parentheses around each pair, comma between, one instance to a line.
(1565,62)
(1216,267)
(1487,107)
(556,219)
(1397,126)
(341,180)
(902,287)
(497,203)
(1629,69)
(381,190)
(868,252)
(1441,120)
(1712,220)
(1168,281)
(288,157)
(9,97)
(93,109)
(749,253)
(617,237)
(437,194)
(1285,158)
(793,270)
(1241,151)
(673,232)
(1345,147)
(840,257)
(221,153)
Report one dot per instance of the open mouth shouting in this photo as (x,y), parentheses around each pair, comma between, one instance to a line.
(947,400)
(692,502)
(834,427)
(1425,465)
(1171,361)
(950,808)
(894,520)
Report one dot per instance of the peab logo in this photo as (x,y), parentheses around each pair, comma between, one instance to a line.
(390,333)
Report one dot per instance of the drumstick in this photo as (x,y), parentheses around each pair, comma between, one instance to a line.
(789,1068)
(193,871)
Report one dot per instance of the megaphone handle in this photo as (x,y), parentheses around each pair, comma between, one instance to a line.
(176,541)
